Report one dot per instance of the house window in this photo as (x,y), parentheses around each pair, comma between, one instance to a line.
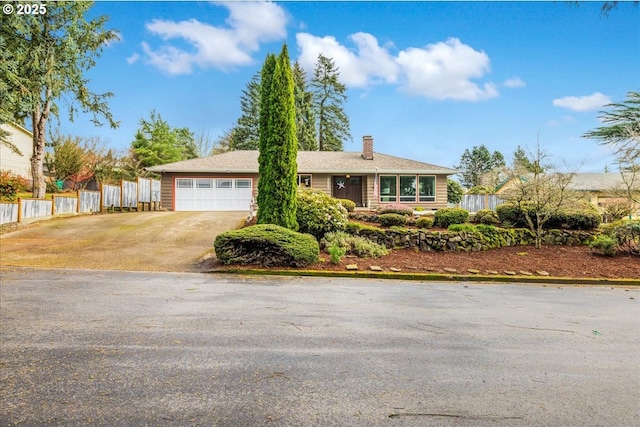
(427,188)
(184,183)
(243,183)
(224,183)
(408,188)
(304,180)
(204,183)
(388,188)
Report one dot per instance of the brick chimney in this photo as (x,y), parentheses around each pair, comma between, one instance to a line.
(367,147)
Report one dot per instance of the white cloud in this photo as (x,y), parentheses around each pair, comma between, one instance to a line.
(133,58)
(249,24)
(370,62)
(514,82)
(443,70)
(583,103)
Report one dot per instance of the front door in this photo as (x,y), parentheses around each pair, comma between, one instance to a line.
(348,188)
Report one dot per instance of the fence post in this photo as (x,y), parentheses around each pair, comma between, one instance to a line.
(19,209)
(53,205)
(78,202)
(122,195)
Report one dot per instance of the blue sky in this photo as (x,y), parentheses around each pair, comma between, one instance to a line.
(426,79)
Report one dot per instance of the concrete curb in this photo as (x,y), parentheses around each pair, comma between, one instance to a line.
(435,277)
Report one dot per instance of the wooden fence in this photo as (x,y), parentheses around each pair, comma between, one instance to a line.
(143,195)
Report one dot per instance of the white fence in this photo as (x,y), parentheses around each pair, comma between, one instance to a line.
(475,202)
(9,212)
(141,195)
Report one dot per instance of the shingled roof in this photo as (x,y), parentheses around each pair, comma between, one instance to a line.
(308,162)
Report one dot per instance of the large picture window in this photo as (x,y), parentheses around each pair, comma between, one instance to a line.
(408,188)
(388,188)
(427,189)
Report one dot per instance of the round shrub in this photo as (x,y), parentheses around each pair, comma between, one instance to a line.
(447,216)
(318,213)
(511,214)
(349,205)
(581,220)
(604,245)
(486,217)
(267,245)
(627,234)
(10,185)
(391,219)
(424,222)
(395,208)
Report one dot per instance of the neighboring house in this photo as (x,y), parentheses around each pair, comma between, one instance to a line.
(19,164)
(229,181)
(596,188)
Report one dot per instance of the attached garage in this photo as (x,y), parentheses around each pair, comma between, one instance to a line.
(213,194)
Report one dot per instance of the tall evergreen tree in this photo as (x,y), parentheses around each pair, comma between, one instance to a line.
(264,155)
(305,117)
(328,102)
(277,203)
(521,161)
(477,162)
(246,133)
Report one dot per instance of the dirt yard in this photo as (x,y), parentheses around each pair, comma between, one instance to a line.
(146,241)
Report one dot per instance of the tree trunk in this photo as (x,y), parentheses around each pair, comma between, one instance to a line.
(37,159)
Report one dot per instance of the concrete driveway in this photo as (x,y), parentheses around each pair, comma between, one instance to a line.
(145,241)
(114,348)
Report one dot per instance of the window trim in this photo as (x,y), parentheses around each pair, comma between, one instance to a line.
(397,198)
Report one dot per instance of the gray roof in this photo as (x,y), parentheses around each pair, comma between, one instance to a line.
(596,181)
(308,162)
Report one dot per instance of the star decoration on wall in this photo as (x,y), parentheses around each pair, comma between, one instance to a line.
(340,185)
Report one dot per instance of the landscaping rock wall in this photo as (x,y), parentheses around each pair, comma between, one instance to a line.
(425,240)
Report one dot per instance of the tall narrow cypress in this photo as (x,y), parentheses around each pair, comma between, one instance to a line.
(279,152)
(266,76)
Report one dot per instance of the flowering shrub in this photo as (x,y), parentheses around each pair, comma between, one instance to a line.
(10,185)
(395,208)
(318,213)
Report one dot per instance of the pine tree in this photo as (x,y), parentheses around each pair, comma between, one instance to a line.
(278,146)
(246,133)
(329,98)
(305,117)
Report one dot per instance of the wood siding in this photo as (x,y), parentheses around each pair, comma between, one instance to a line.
(17,163)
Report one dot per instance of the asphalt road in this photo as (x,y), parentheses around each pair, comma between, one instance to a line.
(177,349)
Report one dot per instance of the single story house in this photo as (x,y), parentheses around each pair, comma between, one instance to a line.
(595,188)
(22,139)
(228,181)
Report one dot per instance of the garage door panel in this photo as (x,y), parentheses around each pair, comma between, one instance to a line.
(213,194)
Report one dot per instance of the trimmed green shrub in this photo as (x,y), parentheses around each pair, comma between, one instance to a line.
(352,227)
(627,235)
(419,209)
(318,213)
(390,219)
(469,228)
(267,245)
(424,222)
(353,245)
(395,208)
(511,215)
(581,220)
(447,216)
(486,216)
(349,205)
(604,245)
(364,216)
(336,252)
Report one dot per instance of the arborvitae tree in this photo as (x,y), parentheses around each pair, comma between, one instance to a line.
(246,134)
(264,156)
(329,98)
(277,203)
(305,117)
